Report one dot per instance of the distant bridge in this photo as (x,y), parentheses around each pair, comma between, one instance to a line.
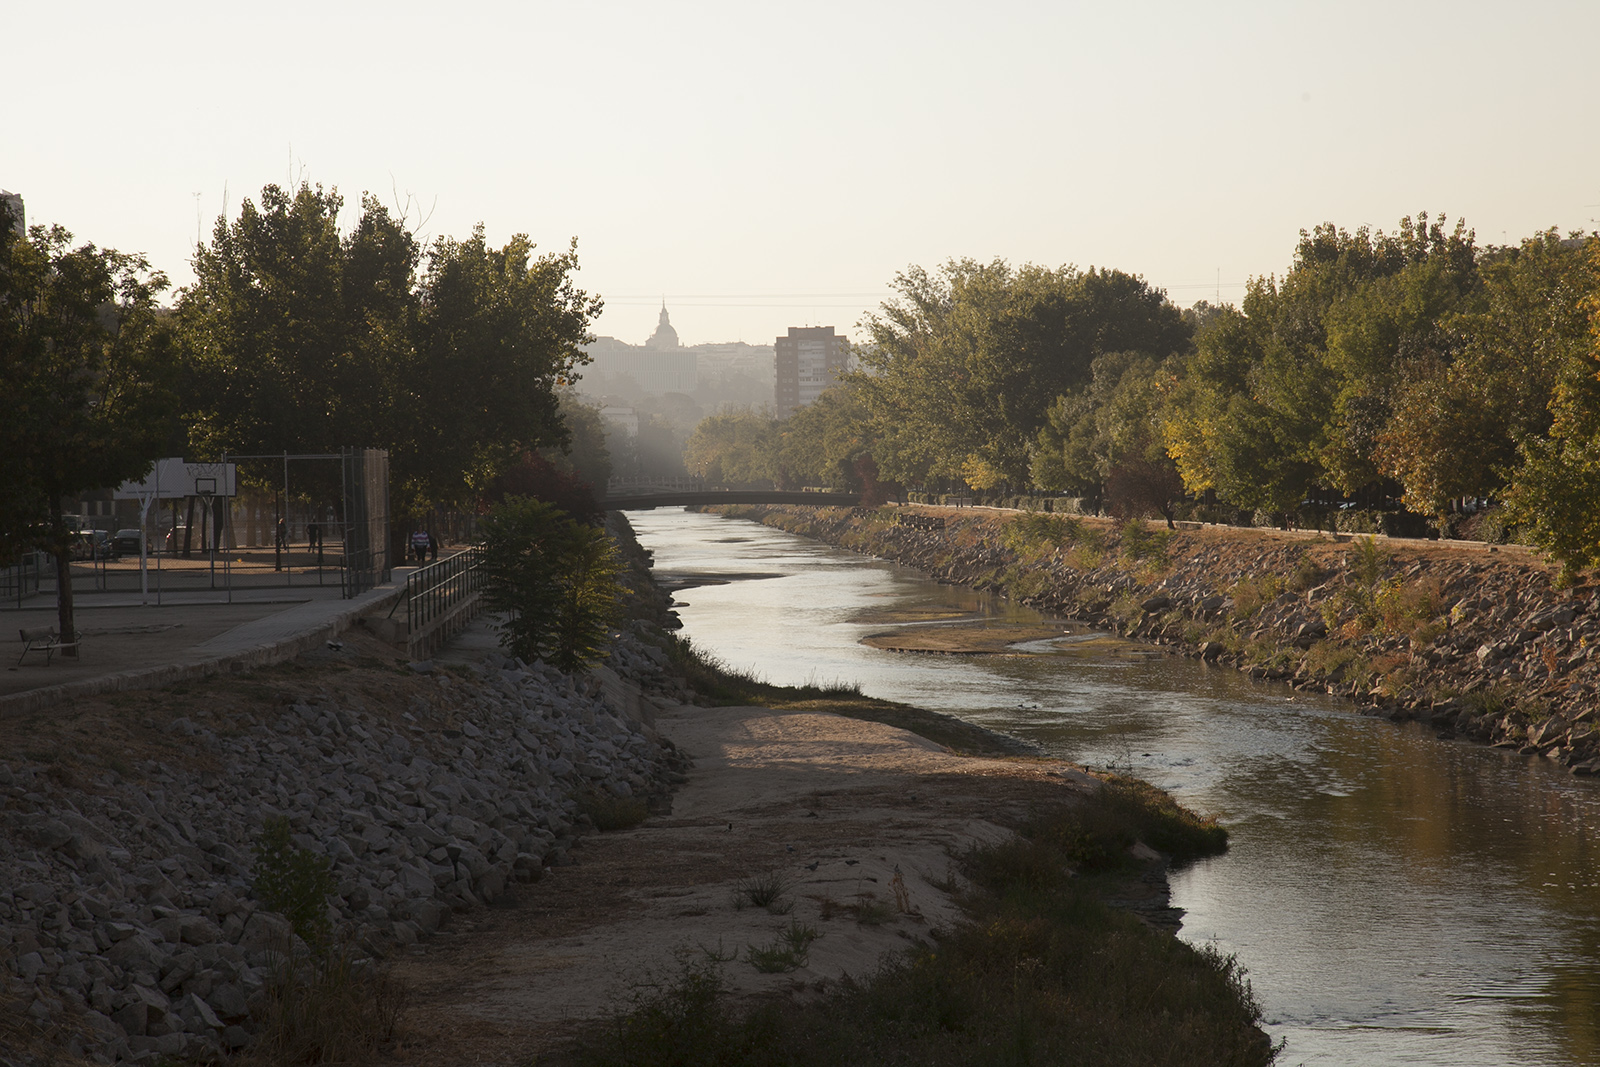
(641,498)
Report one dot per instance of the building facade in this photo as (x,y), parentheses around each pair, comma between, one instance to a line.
(809,360)
(661,365)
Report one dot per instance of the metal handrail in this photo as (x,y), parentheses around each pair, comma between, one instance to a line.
(436,589)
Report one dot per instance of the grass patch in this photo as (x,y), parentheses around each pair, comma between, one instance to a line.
(1338,663)
(327,1009)
(1043,973)
(868,910)
(1096,833)
(1306,575)
(1251,594)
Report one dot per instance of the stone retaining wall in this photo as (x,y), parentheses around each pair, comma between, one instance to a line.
(128,929)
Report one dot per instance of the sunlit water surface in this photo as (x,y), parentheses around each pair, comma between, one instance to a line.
(1397,899)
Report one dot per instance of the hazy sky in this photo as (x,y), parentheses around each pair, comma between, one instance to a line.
(764,166)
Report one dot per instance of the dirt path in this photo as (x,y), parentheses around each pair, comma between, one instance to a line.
(833,807)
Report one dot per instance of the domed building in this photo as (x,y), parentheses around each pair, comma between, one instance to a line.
(665,338)
(661,365)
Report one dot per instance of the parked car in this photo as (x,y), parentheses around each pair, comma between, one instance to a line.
(127,542)
(174,540)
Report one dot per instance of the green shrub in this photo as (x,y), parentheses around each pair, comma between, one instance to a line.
(789,951)
(1250,594)
(1307,574)
(1367,561)
(331,1009)
(1037,531)
(556,579)
(294,882)
(769,891)
(1140,543)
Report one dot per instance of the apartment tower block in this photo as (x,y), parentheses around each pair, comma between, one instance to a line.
(809,360)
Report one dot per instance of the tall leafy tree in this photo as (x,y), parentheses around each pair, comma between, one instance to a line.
(554,577)
(304,339)
(822,443)
(268,328)
(87,366)
(1106,443)
(1295,389)
(500,330)
(962,364)
(1556,492)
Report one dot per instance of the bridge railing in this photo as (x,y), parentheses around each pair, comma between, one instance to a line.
(644,484)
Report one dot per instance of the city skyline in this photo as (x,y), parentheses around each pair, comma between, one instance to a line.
(766,169)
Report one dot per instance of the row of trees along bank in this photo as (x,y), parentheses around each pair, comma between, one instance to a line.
(1386,383)
(294,337)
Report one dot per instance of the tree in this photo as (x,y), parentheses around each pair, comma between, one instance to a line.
(586,455)
(739,450)
(304,339)
(535,477)
(555,578)
(1295,389)
(268,329)
(88,369)
(1459,424)
(1556,494)
(500,332)
(823,442)
(1107,442)
(961,365)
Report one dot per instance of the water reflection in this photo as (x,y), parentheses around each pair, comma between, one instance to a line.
(1398,899)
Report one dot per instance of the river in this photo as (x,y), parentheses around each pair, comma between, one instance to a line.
(1396,898)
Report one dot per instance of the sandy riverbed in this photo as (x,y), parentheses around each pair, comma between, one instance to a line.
(835,807)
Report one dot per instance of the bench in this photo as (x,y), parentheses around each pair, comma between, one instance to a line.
(43,639)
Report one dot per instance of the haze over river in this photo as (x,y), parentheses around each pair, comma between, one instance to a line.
(1397,899)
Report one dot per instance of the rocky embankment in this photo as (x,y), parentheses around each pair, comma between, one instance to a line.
(129,928)
(1476,643)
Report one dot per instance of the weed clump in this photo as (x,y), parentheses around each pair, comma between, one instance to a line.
(1037,531)
(769,891)
(788,952)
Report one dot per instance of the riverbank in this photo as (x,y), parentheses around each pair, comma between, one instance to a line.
(1476,643)
(454,809)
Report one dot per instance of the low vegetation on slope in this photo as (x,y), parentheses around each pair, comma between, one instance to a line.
(1043,972)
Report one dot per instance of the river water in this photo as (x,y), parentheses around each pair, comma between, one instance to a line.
(1396,898)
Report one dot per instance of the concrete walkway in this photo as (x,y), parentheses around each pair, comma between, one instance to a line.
(126,645)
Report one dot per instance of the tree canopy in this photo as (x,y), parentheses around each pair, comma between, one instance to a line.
(962,364)
(88,370)
(306,339)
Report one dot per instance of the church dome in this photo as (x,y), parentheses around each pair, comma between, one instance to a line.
(665,336)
